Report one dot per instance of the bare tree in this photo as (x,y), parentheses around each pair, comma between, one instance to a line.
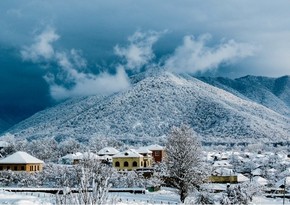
(185,168)
(93,184)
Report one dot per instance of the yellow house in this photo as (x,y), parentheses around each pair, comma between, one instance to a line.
(21,161)
(128,160)
(147,154)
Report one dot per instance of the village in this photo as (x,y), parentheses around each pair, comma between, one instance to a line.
(267,172)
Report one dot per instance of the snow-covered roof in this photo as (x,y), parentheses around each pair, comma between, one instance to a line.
(85,155)
(144,150)
(282,182)
(108,151)
(105,157)
(222,164)
(69,156)
(242,178)
(260,180)
(223,172)
(77,155)
(128,153)
(285,172)
(257,172)
(155,147)
(20,158)
(271,171)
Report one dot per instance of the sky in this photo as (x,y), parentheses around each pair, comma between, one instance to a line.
(53,50)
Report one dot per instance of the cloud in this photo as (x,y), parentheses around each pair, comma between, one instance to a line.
(42,48)
(67,73)
(139,52)
(89,84)
(87,23)
(194,56)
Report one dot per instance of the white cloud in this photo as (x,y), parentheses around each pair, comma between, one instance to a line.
(89,84)
(70,79)
(42,49)
(139,51)
(194,56)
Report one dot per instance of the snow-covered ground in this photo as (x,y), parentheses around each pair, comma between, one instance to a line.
(26,198)
(164,196)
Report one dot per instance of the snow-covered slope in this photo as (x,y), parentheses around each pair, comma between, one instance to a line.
(152,106)
(273,93)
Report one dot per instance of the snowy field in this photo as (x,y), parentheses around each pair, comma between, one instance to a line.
(164,196)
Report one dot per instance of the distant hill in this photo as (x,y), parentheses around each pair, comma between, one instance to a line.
(156,102)
(273,93)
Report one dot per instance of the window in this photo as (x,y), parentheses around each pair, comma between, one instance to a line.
(134,164)
(157,153)
(31,168)
(126,164)
(117,164)
(15,168)
(22,168)
(37,167)
(8,167)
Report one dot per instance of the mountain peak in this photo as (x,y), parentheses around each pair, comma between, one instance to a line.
(147,111)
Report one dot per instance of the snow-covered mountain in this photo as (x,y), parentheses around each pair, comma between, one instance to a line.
(153,104)
(273,93)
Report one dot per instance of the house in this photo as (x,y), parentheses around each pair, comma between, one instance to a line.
(71,158)
(223,175)
(260,180)
(128,160)
(158,152)
(222,172)
(242,178)
(222,163)
(283,182)
(147,154)
(81,157)
(21,161)
(109,151)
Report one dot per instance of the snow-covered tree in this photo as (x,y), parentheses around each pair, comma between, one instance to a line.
(184,164)
(93,184)
(44,149)
(238,194)
(69,145)
(200,197)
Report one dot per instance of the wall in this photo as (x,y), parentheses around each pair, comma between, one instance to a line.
(130,160)
(22,167)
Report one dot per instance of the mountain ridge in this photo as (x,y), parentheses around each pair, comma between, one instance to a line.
(273,93)
(155,103)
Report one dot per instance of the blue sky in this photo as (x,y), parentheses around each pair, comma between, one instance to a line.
(52,50)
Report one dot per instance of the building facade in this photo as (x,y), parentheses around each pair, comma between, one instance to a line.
(21,161)
(128,160)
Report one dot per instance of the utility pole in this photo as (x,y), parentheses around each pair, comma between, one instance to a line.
(284,191)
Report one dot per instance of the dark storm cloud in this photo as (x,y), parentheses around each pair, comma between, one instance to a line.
(95,26)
